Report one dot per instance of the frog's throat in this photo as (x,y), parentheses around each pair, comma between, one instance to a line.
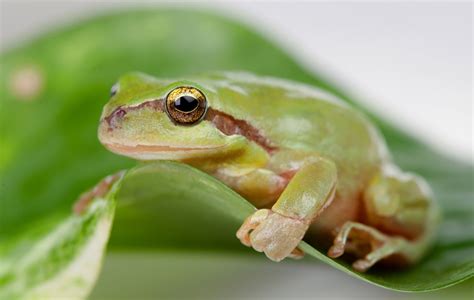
(225,123)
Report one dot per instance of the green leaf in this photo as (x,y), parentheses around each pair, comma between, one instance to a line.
(190,209)
(49,152)
(58,256)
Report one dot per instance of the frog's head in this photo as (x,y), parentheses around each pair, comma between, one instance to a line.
(147,118)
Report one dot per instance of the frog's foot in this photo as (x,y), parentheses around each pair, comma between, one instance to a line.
(99,190)
(366,242)
(297,253)
(274,234)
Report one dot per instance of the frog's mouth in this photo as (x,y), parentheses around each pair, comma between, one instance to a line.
(153,152)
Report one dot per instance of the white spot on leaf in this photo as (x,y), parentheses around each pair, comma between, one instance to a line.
(26,82)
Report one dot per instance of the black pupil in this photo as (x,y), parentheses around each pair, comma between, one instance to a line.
(186,103)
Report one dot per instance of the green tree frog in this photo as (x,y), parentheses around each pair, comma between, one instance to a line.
(313,166)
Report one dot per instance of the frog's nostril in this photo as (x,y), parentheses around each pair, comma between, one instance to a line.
(120,113)
(115,117)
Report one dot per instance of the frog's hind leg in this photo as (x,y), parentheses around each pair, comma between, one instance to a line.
(366,242)
(399,222)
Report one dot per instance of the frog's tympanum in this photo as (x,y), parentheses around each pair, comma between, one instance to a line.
(312,165)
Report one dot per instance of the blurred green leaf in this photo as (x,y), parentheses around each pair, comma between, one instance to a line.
(58,256)
(49,152)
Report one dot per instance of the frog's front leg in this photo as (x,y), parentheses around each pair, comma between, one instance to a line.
(277,232)
(400,220)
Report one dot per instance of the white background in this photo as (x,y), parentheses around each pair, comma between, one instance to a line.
(409,61)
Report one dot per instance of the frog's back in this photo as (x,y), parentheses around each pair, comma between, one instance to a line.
(297,116)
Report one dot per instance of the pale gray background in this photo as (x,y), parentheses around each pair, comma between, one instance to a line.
(409,61)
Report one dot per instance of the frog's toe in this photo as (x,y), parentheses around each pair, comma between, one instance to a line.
(381,251)
(297,253)
(274,234)
(349,246)
(362,265)
(264,241)
(243,234)
(353,237)
(336,250)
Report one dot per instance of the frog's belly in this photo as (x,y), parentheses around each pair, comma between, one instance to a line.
(322,231)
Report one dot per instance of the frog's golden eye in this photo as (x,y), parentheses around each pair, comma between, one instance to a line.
(186,105)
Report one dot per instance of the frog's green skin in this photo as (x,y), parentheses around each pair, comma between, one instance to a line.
(311,164)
